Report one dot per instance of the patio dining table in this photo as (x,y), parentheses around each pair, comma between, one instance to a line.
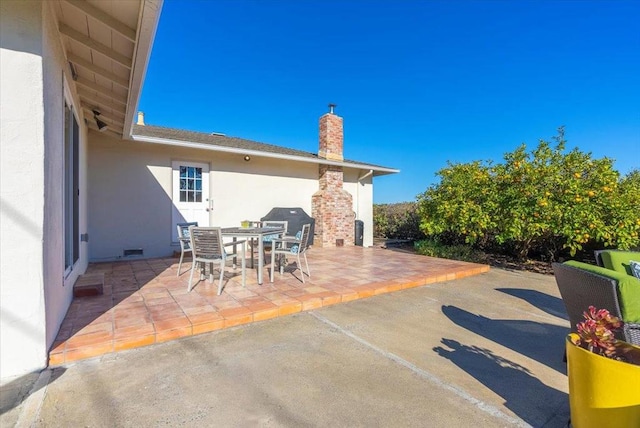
(250,233)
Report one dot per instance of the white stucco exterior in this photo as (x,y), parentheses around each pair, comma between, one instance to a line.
(130,201)
(35,294)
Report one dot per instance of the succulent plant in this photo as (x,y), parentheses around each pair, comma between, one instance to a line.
(596,332)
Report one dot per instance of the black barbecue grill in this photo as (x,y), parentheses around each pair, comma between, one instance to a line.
(295,217)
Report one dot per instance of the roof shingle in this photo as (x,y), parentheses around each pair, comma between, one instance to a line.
(240,144)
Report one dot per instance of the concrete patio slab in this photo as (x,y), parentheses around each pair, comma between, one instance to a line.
(484,351)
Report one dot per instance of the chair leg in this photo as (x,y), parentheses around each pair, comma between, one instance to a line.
(193,268)
(300,267)
(244,265)
(253,247)
(180,262)
(307,263)
(273,263)
(222,264)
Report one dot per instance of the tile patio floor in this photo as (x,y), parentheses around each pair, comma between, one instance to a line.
(144,302)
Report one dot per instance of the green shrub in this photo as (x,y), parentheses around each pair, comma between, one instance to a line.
(434,248)
(544,201)
(397,221)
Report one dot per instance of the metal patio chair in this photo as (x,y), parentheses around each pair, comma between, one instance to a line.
(291,246)
(208,248)
(266,241)
(184,240)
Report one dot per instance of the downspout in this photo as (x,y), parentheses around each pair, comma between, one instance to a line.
(362,177)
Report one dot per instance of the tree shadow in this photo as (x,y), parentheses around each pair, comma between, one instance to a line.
(549,304)
(539,341)
(525,395)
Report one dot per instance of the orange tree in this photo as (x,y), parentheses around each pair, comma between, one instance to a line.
(546,199)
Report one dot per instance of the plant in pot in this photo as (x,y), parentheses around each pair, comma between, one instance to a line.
(604,374)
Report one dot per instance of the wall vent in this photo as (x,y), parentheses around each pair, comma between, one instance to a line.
(133,252)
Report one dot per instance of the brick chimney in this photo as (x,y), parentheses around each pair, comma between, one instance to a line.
(331,205)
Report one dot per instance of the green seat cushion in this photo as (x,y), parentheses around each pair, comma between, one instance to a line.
(628,289)
(619,260)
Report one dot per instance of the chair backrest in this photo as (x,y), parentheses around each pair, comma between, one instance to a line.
(276,224)
(206,242)
(304,237)
(183,233)
(580,289)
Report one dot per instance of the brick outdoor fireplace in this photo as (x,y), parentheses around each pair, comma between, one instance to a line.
(331,205)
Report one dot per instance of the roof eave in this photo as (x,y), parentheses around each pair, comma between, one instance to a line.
(147,26)
(377,170)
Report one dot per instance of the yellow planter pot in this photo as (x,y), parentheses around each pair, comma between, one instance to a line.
(603,392)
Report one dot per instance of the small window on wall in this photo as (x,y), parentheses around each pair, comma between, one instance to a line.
(190,184)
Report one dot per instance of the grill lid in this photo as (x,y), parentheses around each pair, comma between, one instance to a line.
(295,217)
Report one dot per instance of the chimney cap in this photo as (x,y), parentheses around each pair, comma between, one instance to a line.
(331,107)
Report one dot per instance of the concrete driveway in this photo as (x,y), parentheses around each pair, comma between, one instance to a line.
(482,351)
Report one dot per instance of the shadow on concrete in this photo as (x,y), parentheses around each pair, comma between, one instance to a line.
(15,391)
(539,341)
(527,397)
(549,304)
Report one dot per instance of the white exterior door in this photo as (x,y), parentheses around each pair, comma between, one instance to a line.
(191,199)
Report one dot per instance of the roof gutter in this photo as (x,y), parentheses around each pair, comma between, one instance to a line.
(210,147)
(146,33)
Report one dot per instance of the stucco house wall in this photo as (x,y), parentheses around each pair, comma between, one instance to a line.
(362,191)
(130,198)
(35,294)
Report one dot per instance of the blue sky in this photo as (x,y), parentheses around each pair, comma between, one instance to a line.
(418,83)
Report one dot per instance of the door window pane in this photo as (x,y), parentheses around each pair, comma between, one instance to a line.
(190,184)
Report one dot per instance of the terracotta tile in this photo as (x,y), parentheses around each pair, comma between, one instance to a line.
(57,347)
(394,287)
(96,327)
(233,312)
(260,306)
(266,314)
(88,352)
(331,300)
(348,297)
(88,340)
(364,291)
(289,307)
(172,324)
(128,307)
(430,280)
(207,308)
(134,330)
(159,301)
(137,320)
(234,320)
(205,318)
(310,301)
(134,342)
(274,295)
(314,289)
(56,359)
(167,335)
(207,327)
(227,305)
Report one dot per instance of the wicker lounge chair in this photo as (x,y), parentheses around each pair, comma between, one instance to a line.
(580,289)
